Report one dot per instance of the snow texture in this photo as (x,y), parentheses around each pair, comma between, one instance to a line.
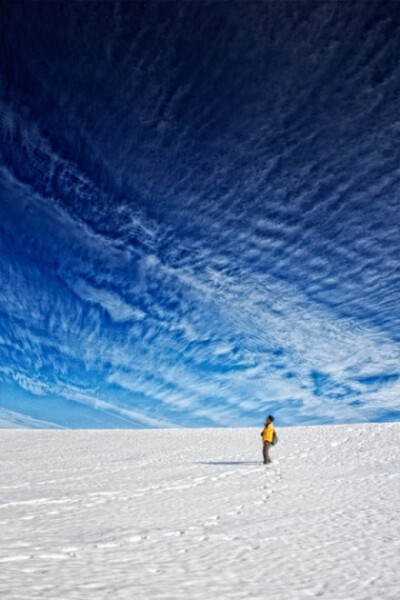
(193,514)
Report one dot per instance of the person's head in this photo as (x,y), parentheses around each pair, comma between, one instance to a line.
(270,418)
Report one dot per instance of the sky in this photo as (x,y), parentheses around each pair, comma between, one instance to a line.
(199,213)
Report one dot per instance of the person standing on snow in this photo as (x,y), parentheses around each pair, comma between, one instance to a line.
(267,438)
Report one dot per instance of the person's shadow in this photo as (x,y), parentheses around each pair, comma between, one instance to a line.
(236,462)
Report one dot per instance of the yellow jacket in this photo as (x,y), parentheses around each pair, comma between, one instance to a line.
(268,433)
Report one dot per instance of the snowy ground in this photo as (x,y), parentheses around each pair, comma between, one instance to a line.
(193,514)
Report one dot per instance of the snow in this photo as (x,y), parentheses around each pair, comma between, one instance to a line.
(193,514)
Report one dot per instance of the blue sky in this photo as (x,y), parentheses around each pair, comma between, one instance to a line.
(199,213)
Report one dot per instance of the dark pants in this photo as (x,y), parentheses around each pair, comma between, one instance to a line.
(266,457)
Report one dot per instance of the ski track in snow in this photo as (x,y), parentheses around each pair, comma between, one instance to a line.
(194,514)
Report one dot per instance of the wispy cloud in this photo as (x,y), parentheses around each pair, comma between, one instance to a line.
(111,302)
(209,228)
(10,419)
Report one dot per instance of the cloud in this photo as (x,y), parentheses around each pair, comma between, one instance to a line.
(131,416)
(231,335)
(111,302)
(37,388)
(209,225)
(10,419)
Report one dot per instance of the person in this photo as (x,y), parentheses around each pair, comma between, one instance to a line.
(267,438)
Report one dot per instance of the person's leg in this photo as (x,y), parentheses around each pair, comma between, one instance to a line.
(266,452)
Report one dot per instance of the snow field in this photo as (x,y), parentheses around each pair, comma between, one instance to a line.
(194,514)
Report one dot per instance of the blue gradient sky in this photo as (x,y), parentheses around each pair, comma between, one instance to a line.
(200,213)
